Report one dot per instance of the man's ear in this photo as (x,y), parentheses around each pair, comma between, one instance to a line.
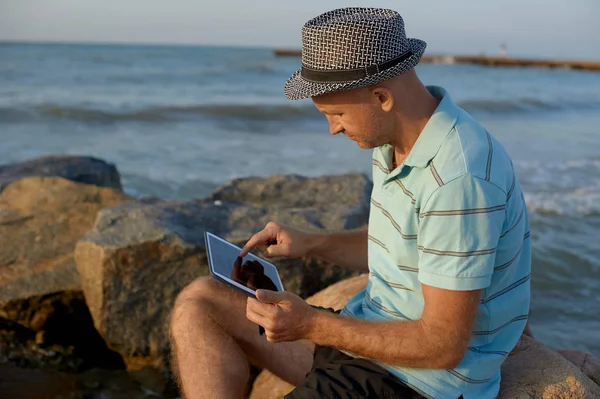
(384,97)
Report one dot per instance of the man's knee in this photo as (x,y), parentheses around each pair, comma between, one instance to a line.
(193,301)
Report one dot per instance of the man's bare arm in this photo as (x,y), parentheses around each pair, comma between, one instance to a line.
(347,249)
(439,339)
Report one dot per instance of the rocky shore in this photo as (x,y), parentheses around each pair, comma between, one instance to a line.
(88,276)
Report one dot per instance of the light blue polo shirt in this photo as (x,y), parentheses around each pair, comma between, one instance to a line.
(451,216)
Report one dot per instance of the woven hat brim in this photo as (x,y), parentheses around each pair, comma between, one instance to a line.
(298,88)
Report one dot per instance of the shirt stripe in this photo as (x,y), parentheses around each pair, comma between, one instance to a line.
(467,379)
(376,241)
(477,350)
(382,307)
(488,169)
(457,212)
(396,226)
(383,168)
(407,268)
(495,330)
(389,283)
(516,223)
(510,262)
(477,252)
(405,191)
(435,174)
(507,289)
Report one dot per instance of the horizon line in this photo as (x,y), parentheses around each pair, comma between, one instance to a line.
(246,46)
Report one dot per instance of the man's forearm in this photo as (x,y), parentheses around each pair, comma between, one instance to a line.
(347,249)
(398,343)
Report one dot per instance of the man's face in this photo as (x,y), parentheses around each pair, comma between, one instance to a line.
(358,114)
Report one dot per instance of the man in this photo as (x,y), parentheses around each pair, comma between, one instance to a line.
(447,246)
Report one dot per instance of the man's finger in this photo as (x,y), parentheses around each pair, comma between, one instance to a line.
(256,307)
(256,318)
(262,238)
(275,250)
(268,296)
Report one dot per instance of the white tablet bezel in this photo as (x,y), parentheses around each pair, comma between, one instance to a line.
(251,256)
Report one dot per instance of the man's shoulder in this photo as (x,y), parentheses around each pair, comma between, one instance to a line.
(471,150)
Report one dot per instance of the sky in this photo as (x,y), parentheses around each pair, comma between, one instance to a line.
(541,28)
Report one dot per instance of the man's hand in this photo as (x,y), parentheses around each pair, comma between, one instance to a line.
(284,316)
(280,240)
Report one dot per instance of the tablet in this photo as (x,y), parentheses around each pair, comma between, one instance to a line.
(222,257)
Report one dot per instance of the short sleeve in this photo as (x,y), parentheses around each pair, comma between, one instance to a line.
(459,229)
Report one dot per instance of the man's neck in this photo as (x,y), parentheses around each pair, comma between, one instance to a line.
(413,119)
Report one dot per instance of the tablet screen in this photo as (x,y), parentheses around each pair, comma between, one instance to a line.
(247,273)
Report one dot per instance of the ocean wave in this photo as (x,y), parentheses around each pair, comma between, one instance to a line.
(159,114)
(264,67)
(253,112)
(582,202)
(524,104)
(570,187)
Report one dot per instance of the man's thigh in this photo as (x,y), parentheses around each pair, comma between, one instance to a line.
(227,307)
(336,375)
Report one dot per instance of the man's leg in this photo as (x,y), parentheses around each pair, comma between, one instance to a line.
(213,343)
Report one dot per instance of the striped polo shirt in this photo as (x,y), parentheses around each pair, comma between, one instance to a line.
(452,216)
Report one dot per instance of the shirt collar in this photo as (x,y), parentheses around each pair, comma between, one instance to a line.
(436,130)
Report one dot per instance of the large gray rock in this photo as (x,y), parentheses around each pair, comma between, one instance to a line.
(75,168)
(140,255)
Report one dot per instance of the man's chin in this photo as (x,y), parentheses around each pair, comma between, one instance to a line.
(364,145)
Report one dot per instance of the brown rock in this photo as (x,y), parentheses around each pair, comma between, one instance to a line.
(587,363)
(60,321)
(41,219)
(140,255)
(533,370)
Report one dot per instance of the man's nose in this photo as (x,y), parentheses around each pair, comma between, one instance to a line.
(335,128)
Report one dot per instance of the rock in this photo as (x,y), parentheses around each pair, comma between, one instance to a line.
(531,370)
(36,384)
(54,330)
(141,254)
(75,168)
(345,198)
(18,383)
(18,347)
(41,220)
(587,363)
(534,371)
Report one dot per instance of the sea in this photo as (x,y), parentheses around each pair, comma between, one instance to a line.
(178,121)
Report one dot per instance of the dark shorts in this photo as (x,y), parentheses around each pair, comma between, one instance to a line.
(336,375)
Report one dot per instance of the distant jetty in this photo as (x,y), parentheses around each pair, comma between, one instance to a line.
(488,60)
